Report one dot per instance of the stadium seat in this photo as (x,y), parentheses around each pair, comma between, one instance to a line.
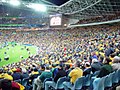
(87,80)
(99,83)
(77,86)
(115,77)
(108,81)
(96,74)
(25,81)
(119,75)
(47,79)
(59,84)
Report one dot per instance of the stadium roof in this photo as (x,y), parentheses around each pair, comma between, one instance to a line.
(90,8)
(79,9)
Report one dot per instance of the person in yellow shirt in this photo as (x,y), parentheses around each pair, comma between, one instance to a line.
(74,75)
(5,75)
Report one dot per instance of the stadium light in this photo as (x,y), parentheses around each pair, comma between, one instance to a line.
(15,2)
(38,7)
(3,0)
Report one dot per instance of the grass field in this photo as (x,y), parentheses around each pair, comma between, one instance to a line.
(15,53)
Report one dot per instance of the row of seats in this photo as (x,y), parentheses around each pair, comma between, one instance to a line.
(108,81)
(81,82)
(85,81)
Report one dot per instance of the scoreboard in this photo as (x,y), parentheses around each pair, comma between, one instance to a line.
(55,20)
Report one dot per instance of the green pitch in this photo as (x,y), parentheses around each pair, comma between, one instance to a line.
(16,53)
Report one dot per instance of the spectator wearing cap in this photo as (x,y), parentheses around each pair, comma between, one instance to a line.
(61,73)
(38,82)
(116,63)
(106,68)
(16,75)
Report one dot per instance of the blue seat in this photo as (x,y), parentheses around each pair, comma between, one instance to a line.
(87,80)
(25,81)
(108,80)
(91,82)
(99,83)
(95,74)
(47,79)
(115,78)
(59,84)
(77,85)
(118,74)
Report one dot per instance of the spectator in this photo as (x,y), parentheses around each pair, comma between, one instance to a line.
(60,73)
(74,75)
(87,69)
(116,63)
(95,66)
(6,84)
(38,82)
(16,75)
(106,68)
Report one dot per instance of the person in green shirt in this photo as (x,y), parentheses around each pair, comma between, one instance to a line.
(38,82)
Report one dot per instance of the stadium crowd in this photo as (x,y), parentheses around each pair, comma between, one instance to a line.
(73,53)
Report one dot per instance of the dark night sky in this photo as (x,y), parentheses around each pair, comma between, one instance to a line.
(58,2)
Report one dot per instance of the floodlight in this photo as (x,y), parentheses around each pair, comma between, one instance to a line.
(7,14)
(15,2)
(3,0)
(38,7)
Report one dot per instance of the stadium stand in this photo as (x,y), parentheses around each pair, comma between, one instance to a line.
(83,53)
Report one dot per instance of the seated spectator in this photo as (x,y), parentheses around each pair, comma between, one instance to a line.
(76,72)
(4,75)
(24,73)
(87,69)
(54,70)
(6,84)
(16,75)
(109,51)
(42,68)
(34,74)
(67,68)
(38,82)
(116,63)
(74,75)
(106,68)
(61,73)
(95,66)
